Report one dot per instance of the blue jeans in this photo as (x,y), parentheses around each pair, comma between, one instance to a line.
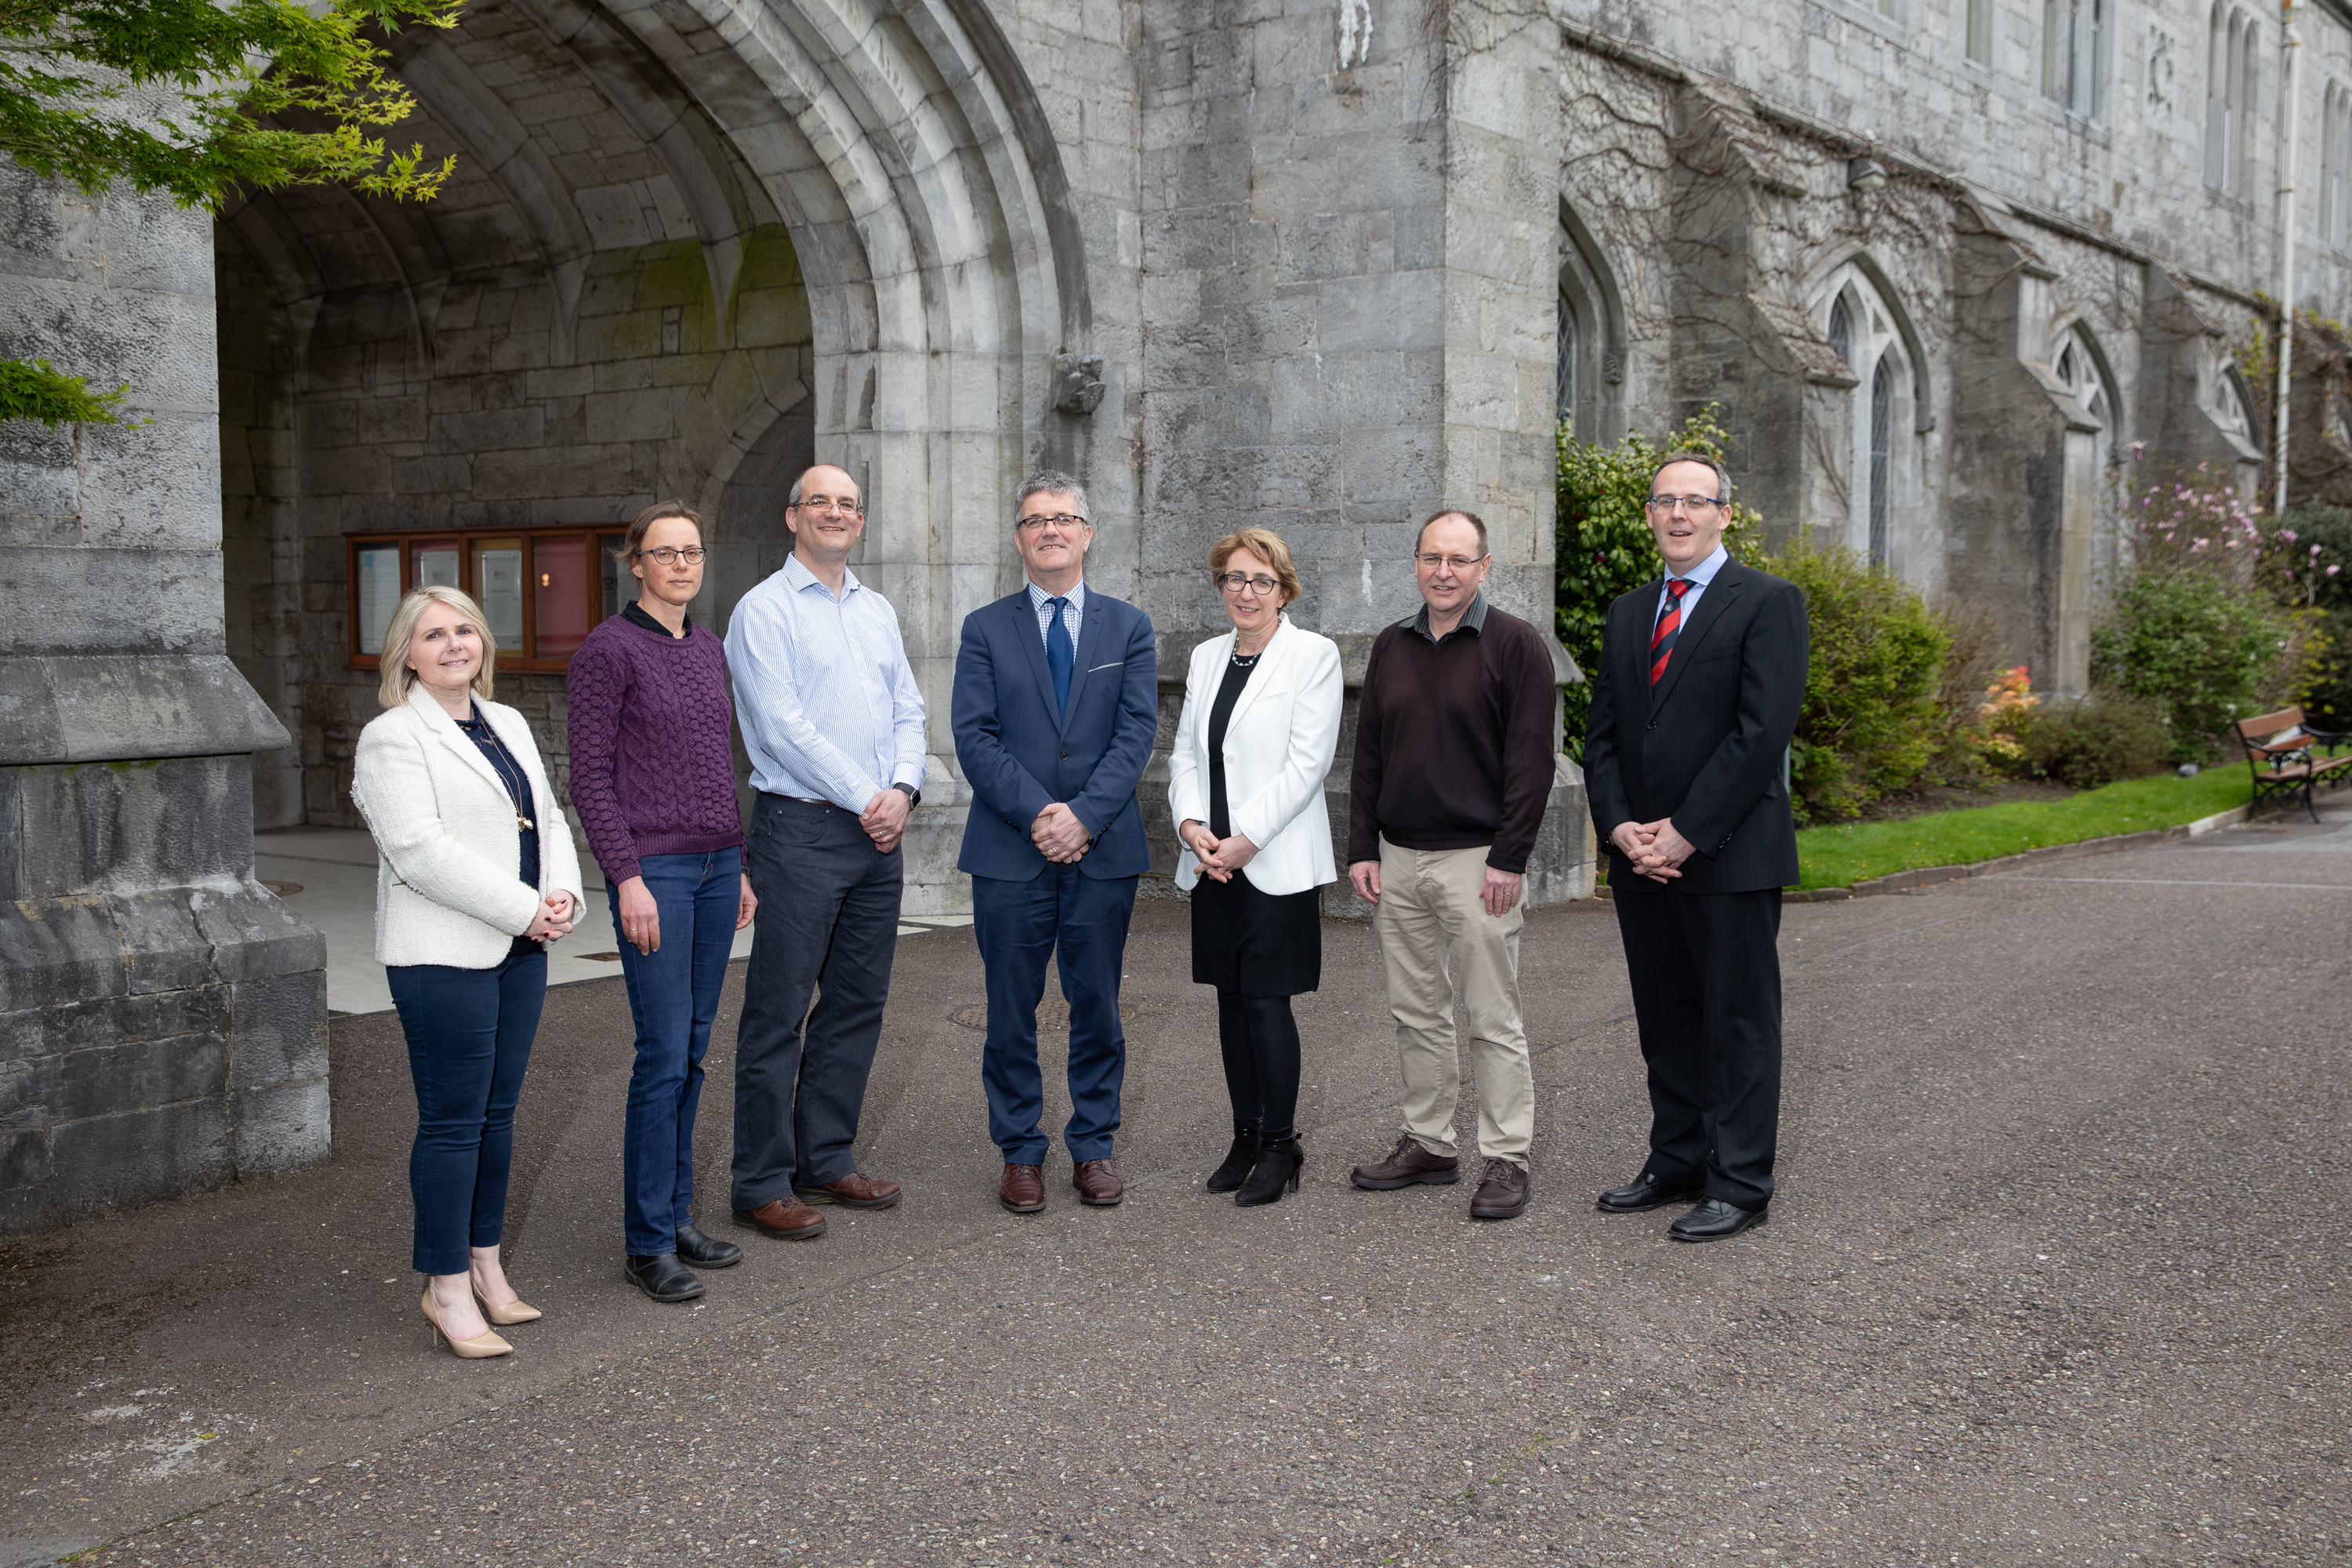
(673,996)
(469,1034)
(1019,925)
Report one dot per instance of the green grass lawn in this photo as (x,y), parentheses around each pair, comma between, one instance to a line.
(1839,856)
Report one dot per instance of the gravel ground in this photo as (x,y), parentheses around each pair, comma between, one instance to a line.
(2055,1276)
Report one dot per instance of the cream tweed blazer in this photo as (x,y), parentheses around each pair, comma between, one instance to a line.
(445,838)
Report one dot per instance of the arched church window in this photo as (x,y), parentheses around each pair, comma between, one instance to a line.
(2336,166)
(1875,449)
(2231,71)
(1564,372)
(2079,369)
(1882,459)
(2073,43)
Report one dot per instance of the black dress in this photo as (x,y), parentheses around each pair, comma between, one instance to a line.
(1245,940)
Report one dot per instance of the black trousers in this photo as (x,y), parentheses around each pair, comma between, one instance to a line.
(1705,971)
(828,922)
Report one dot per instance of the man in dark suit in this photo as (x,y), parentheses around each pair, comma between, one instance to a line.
(1056,705)
(1702,676)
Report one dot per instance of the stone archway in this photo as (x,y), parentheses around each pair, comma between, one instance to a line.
(687,247)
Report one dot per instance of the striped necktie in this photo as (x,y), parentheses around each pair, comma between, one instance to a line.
(1669,620)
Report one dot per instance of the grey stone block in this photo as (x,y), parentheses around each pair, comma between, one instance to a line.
(138,1155)
(283,1128)
(254,935)
(11,836)
(60,952)
(24,1158)
(105,1080)
(75,1025)
(164,950)
(76,706)
(279,1028)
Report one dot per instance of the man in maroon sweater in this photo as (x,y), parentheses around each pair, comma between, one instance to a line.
(1453,763)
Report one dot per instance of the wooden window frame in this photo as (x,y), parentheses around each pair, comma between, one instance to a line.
(463,541)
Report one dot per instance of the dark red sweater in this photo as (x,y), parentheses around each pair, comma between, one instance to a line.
(1454,742)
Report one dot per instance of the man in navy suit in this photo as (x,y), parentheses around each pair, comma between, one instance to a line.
(1056,702)
(1701,681)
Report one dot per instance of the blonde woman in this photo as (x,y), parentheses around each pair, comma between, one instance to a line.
(1246,785)
(475,875)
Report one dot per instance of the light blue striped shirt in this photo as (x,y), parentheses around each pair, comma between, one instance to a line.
(828,703)
(1073,616)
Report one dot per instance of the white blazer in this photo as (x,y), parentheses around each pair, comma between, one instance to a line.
(1278,747)
(445,837)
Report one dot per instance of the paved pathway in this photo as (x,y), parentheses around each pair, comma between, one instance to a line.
(2057,1275)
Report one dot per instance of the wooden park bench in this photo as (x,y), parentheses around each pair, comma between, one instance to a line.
(2284,754)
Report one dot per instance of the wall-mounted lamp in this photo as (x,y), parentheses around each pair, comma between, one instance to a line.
(1866,175)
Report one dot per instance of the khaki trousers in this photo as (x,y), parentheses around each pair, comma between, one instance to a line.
(1439,943)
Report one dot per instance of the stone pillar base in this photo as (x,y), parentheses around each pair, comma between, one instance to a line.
(163,1016)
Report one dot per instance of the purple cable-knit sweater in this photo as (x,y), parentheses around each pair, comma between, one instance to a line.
(652,772)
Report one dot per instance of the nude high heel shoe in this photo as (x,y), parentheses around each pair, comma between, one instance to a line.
(487,1345)
(513,1313)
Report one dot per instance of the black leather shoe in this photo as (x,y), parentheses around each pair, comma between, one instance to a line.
(701,1250)
(663,1276)
(1646,1193)
(1715,1219)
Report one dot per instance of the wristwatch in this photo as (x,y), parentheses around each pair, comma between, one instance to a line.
(914,796)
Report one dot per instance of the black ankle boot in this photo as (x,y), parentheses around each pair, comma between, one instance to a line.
(1249,1137)
(1276,1169)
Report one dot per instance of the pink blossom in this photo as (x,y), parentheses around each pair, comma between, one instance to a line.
(2333,570)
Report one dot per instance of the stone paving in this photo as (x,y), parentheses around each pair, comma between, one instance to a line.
(2056,1276)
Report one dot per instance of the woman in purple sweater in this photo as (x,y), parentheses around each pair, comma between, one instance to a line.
(653,778)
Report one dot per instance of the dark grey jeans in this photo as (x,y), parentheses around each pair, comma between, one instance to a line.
(828,922)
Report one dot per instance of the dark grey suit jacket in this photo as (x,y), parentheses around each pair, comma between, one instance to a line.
(1704,745)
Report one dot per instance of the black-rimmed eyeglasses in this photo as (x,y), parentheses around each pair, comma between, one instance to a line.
(663,555)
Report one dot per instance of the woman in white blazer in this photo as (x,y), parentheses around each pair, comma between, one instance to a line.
(1245,786)
(475,875)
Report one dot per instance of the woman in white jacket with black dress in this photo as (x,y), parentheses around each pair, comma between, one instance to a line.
(1245,785)
(475,874)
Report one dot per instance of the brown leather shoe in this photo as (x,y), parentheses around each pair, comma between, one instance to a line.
(857,1189)
(785,1218)
(1407,1165)
(1502,1192)
(1023,1190)
(1097,1182)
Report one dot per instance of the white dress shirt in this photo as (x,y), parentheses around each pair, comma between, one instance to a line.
(828,703)
(1700,576)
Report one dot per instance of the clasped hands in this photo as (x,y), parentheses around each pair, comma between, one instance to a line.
(1059,836)
(1218,857)
(554,920)
(1654,849)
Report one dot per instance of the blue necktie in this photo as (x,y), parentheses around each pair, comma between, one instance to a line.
(1060,657)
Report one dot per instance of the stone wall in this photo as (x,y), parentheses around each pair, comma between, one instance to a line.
(162,1018)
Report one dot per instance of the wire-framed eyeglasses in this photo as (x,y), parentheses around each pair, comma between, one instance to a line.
(1693,506)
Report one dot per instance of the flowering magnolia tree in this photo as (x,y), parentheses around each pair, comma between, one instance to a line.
(2208,614)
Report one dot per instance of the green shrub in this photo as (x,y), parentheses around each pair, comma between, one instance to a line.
(2314,544)
(1604,546)
(2110,736)
(2204,648)
(1873,718)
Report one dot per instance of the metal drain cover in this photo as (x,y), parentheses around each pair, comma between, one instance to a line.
(1053,1016)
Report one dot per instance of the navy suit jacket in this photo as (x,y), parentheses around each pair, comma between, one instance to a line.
(1020,754)
(1703,746)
